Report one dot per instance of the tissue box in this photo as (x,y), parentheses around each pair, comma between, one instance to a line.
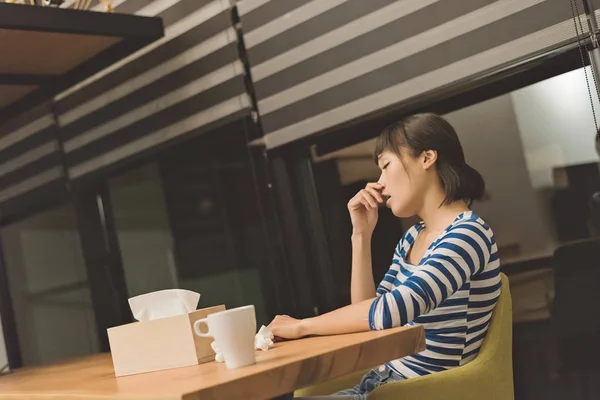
(160,344)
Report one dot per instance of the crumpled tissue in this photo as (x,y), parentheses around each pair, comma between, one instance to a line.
(263,341)
(163,303)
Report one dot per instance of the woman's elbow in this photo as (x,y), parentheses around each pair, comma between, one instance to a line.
(381,317)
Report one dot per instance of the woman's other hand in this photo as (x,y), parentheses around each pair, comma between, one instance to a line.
(285,327)
(364,208)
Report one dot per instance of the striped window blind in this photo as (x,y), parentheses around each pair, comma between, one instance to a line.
(315,64)
(319,63)
(31,166)
(186,83)
(189,82)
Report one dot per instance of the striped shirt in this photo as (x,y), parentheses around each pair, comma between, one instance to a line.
(452,293)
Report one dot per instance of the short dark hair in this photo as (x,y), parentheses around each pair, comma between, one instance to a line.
(428,131)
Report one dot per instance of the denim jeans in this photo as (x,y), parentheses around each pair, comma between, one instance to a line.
(369,382)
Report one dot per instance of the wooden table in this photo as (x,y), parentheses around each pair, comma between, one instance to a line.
(282,369)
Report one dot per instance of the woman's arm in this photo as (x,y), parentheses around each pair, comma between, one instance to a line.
(349,319)
(362,285)
(364,209)
(464,251)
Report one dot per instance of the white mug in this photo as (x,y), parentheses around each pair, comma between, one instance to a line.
(234,332)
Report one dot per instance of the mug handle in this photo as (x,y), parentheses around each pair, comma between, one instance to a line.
(197,328)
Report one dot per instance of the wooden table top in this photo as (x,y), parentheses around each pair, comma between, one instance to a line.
(282,369)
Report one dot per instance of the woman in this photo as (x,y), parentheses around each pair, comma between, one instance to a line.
(445,270)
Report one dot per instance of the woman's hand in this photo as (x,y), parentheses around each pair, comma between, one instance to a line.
(364,208)
(284,327)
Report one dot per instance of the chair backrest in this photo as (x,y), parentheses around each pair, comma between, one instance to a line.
(575,313)
(576,282)
(489,375)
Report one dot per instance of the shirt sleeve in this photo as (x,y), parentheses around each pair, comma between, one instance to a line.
(386,285)
(462,252)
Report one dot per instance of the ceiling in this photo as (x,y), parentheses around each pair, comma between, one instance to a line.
(45,50)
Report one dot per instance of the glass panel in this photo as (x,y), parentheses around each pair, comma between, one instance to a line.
(516,211)
(143,231)
(558,136)
(49,287)
(535,149)
(192,221)
(3,355)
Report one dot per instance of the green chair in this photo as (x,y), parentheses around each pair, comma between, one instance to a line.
(488,376)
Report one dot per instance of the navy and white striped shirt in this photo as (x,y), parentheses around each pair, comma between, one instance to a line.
(452,293)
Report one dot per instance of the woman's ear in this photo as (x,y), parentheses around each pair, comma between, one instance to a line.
(429,158)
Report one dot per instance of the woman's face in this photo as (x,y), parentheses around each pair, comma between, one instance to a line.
(404,182)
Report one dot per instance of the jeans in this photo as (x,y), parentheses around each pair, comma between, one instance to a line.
(369,382)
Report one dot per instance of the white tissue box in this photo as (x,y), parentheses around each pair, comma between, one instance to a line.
(160,343)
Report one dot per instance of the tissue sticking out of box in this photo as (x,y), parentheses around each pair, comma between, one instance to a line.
(163,303)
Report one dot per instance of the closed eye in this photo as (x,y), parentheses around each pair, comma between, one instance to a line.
(385,165)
